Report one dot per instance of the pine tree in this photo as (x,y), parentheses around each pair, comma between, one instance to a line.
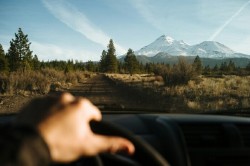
(224,67)
(231,66)
(197,65)
(90,66)
(248,67)
(19,54)
(149,67)
(207,69)
(216,68)
(36,63)
(103,62)
(3,60)
(131,63)
(112,64)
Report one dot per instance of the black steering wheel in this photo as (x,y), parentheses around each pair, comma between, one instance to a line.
(144,153)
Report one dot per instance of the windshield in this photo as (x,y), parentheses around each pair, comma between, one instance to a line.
(137,55)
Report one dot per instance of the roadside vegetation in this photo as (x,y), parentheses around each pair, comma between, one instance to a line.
(201,94)
(198,87)
(21,72)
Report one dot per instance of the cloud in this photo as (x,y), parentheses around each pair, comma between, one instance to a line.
(221,28)
(144,10)
(77,21)
(52,52)
(47,51)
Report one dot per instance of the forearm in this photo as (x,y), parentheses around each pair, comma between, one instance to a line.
(22,146)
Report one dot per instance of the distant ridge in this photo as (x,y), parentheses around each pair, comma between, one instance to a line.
(207,49)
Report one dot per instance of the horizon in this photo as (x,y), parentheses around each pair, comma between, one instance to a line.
(80,30)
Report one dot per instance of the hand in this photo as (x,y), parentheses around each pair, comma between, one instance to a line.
(67,132)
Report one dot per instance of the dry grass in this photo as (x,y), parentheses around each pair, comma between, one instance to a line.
(200,94)
(39,81)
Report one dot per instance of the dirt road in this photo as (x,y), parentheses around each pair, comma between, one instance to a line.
(103,92)
(107,94)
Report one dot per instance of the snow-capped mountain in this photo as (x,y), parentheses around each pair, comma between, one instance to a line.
(206,49)
(164,44)
(211,49)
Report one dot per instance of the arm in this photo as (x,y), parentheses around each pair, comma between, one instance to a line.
(63,131)
(22,146)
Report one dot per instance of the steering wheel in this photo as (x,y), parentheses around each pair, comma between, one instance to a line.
(144,153)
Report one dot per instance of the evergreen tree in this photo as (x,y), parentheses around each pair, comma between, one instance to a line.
(121,68)
(149,67)
(70,64)
(103,62)
(36,63)
(141,68)
(231,66)
(207,69)
(90,66)
(248,67)
(223,66)
(216,68)
(67,69)
(131,63)
(19,54)
(13,58)
(3,60)
(112,64)
(197,65)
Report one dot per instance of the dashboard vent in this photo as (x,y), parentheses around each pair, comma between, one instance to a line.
(245,133)
(204,136)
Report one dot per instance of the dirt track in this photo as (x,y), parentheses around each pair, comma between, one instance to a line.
(105,93)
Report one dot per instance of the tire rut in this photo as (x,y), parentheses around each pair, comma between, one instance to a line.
(108,95)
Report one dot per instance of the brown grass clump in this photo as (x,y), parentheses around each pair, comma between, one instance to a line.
(201,93)
(39,81)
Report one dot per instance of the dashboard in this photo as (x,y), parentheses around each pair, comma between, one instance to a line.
(192,140)
(188,139)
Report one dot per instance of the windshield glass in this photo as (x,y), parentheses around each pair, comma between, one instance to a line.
(137,55)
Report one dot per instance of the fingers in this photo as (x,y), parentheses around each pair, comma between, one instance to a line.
(66,98)
(90,111)
(111,144)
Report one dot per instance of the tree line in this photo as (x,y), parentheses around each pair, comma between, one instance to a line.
(19,57)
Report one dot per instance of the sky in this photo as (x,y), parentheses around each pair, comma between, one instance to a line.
(81,29)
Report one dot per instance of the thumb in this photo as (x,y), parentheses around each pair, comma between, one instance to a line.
(111,144)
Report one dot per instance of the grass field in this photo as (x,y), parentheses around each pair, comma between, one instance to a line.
(203,94)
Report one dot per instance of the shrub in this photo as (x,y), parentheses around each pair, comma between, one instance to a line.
(3,83)
(178,74)
(39,81)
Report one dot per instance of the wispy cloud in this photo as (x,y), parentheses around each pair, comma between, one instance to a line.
(52,52)
(221,28)
(144,10)
(77,21)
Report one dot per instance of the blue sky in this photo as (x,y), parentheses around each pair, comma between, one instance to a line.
(81,29)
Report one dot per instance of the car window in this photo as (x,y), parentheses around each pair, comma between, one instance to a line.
(135,56)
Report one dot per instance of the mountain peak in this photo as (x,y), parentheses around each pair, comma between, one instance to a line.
(166,44)
(213,46)
(165,38)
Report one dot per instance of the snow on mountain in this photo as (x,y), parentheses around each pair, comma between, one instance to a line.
(206,49)
(164,44)
(211,49)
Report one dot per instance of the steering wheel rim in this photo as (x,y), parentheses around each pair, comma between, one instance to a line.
(144,154)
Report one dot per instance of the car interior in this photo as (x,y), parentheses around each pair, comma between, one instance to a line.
(174,139)
(180,103)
